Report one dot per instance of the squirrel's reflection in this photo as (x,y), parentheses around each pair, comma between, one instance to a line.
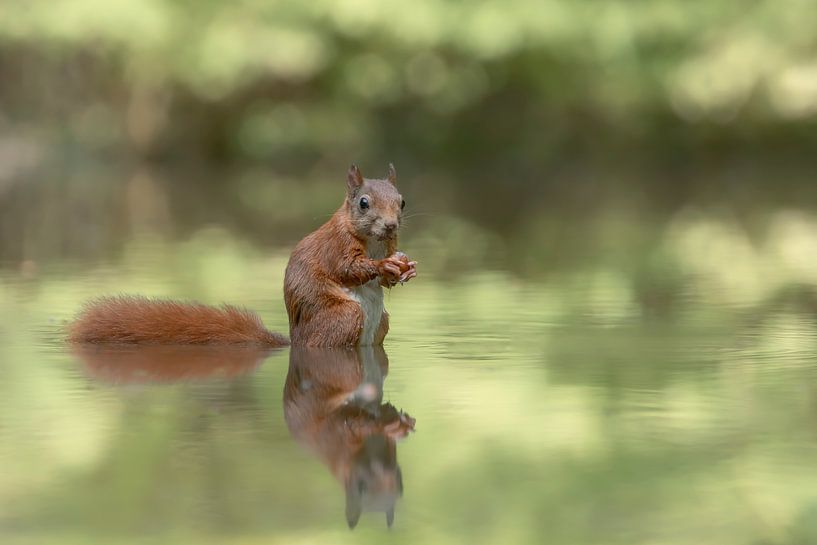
(333,404)
(138,364)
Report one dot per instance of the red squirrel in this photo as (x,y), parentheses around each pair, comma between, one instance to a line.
(333,287)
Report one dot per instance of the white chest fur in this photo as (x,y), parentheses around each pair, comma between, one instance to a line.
(370,296)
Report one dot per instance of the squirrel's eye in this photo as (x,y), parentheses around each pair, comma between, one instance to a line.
(402,205)
(364,203)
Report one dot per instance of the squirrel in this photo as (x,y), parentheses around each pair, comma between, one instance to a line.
(333,287)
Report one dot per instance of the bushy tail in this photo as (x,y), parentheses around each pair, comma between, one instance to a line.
(135,319)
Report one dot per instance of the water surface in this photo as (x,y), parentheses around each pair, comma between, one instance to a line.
(632,379)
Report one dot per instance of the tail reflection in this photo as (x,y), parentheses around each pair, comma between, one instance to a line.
(333,404)
(168,363)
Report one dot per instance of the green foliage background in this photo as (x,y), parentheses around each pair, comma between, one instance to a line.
(512,85)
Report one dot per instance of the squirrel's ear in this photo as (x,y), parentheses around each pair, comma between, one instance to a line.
(354,504)
(354,179)
(392,177)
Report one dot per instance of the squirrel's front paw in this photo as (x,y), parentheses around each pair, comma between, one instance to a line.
(408,268)
(396,269)
(390,270)
(400,426)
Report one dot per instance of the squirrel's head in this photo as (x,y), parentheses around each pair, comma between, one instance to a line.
(375,206)
(375,481)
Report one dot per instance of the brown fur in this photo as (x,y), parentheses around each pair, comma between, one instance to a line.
(134,319)
(334,257)
(321,311)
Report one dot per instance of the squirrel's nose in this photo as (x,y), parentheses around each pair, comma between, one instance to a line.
(390,226)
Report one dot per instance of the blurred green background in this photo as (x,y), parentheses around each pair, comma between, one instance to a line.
(508,116)
(488,90)
(613,205)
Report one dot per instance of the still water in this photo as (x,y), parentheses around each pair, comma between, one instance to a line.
(650,389)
